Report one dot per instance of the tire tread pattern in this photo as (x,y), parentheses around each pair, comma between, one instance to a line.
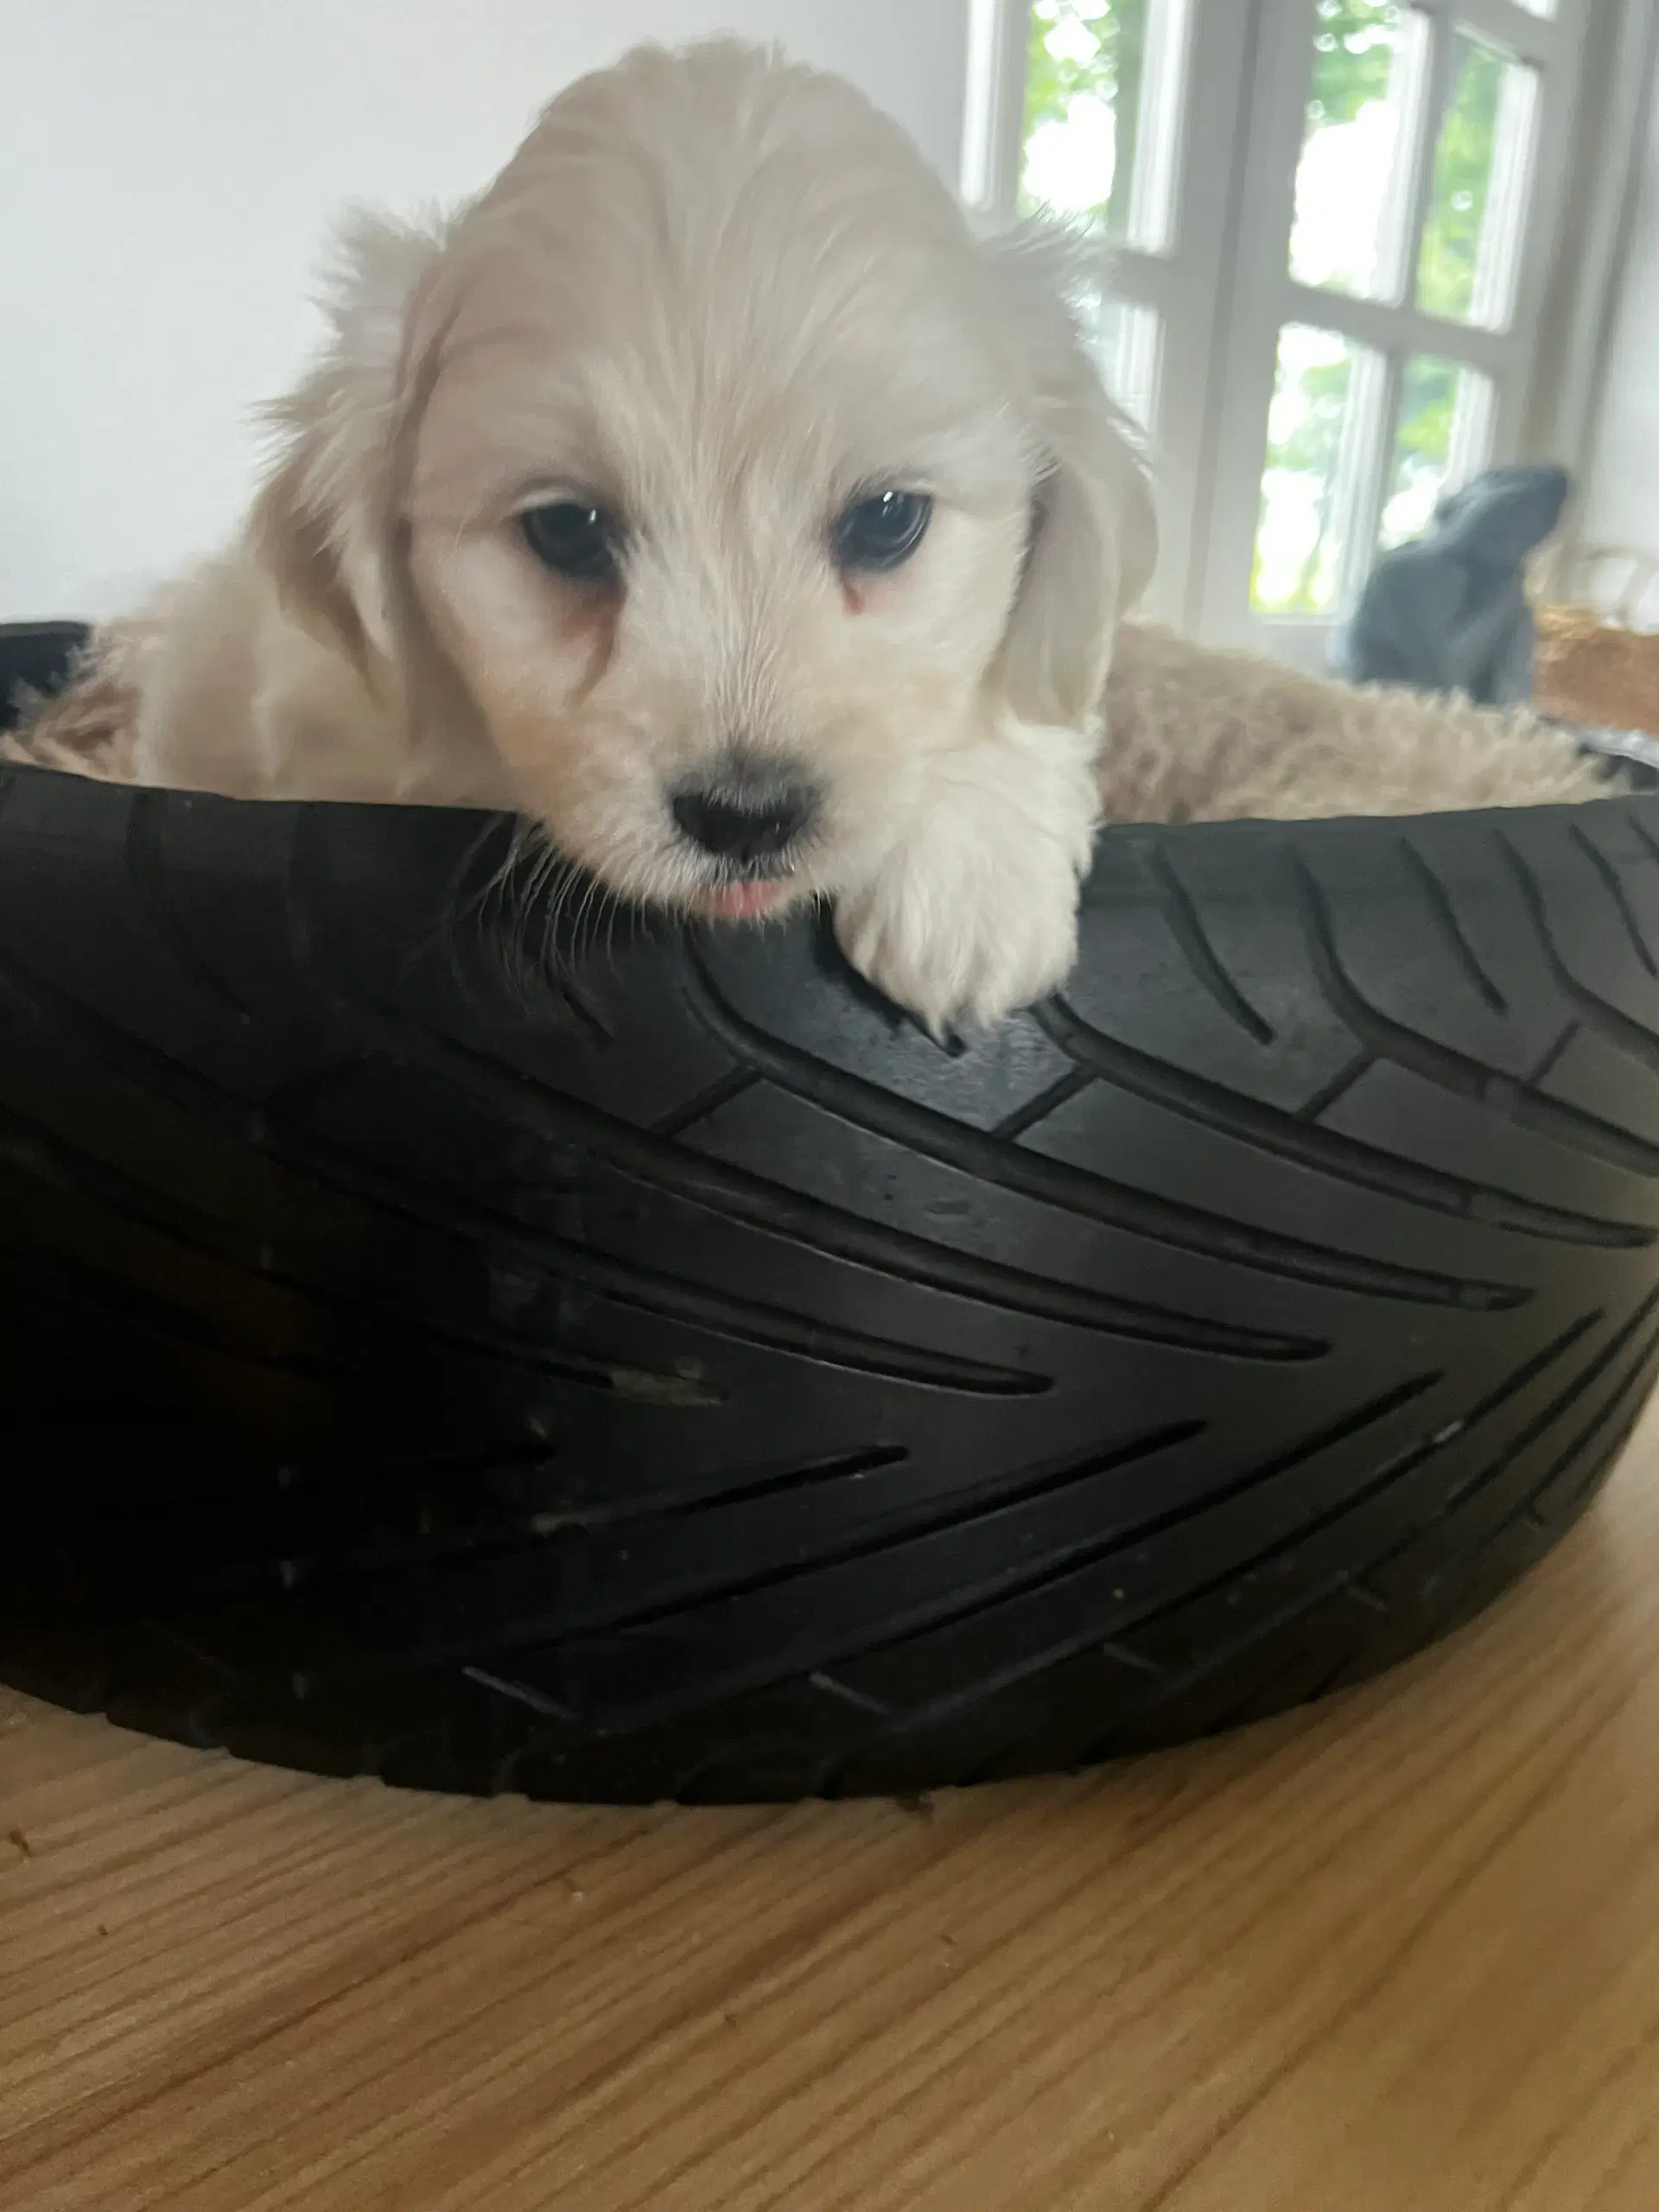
(656,1369)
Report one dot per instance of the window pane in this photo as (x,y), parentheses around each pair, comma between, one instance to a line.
(1128,344)
(1321,442)
(1442,437)
(1370,63)
(1478,199)
(1103,88)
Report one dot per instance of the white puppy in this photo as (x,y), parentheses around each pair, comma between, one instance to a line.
(708,493)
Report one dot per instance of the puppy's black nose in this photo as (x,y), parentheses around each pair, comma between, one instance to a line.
(744,819)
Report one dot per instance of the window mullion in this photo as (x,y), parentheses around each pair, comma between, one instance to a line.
(1380,411)
(1156,280)
(1436,92)
(1532,38)
(1275,105)
(1496,354)
(999,33)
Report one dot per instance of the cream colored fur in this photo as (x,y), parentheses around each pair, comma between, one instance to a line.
(721,297)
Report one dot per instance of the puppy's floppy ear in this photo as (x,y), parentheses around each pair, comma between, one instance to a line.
(1094,533)
(320,522)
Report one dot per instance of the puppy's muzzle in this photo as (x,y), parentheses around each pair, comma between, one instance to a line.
(748,819)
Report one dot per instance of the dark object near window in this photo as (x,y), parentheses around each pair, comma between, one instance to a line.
(1449,612)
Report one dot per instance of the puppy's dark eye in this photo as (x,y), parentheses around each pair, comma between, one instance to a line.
(574,539)
(881,531)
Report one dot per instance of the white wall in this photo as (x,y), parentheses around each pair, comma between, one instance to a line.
(169,168)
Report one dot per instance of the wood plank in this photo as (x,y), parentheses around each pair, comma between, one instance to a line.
(1398,1952)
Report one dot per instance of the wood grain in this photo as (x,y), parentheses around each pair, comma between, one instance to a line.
(1400,1954)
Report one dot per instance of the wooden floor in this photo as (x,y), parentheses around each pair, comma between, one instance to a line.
(1399,1954)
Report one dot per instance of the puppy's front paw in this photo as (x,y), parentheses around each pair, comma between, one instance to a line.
(974,912)
(974,965)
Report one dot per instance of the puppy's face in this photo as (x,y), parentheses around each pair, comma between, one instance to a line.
(710,658)
(717,504)
(732,481)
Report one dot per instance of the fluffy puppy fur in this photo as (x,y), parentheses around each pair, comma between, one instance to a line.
(719,301)
(714,308)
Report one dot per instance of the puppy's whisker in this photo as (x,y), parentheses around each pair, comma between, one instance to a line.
(547,892)
(556,879)
(472,904)
(613,910)
(525,891)
(583,912)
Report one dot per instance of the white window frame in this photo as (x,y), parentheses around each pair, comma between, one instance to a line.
(1223,288)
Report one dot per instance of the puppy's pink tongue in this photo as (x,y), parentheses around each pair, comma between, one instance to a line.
(737,902)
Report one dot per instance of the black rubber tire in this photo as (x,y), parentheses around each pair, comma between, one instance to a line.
(663,1372)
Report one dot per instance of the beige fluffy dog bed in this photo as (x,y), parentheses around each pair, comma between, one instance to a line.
(1195,734)
(1198,735)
